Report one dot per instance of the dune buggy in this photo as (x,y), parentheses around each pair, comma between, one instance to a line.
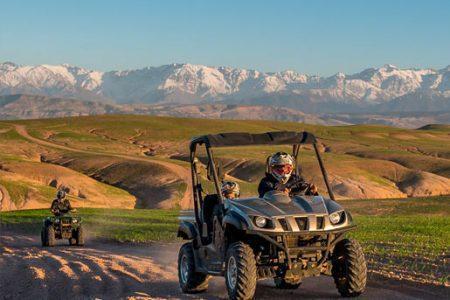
(62,227)
(277,236)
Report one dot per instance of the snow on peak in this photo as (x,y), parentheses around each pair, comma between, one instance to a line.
(390,67)
(200,82)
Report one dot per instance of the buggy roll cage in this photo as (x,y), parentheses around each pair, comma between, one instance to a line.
(247,139)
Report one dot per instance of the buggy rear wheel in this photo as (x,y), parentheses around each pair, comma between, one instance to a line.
(49,236)
(349,268)
(190,281)
(281,283)
(240,271)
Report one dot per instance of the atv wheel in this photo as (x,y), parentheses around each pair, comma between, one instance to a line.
(72,241)
(79,237)
(240,272)
(49,236)
(349,268)
(281,283)
(43,241)
(190,281)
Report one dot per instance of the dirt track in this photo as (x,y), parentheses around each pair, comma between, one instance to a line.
(111,271)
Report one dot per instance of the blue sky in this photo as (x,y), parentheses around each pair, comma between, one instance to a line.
(314,37)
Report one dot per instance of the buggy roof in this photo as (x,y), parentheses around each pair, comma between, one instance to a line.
(248,139)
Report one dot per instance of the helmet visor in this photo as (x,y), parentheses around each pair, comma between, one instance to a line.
(282,169)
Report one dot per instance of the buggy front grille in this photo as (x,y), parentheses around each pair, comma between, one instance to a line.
(283,224)
(320,223)
(302,223)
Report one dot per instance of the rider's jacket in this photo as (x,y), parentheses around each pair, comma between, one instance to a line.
(60,207)
(295,183)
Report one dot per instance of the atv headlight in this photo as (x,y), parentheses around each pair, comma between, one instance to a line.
(56,220)
(261,222)
(336,217)
(74,221)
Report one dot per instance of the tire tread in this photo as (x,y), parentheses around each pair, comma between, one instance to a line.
(356,268)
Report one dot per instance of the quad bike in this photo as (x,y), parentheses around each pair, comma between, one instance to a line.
(286,238)
(62,227)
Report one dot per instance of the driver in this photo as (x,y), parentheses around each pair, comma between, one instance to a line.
(230,190)
(61,205)
(280,178)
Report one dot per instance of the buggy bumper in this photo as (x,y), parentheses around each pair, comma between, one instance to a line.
(295,245)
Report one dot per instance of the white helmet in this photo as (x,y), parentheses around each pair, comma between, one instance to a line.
(281,166)
(230,188)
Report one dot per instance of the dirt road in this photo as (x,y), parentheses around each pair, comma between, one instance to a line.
(182,173)
(112,271)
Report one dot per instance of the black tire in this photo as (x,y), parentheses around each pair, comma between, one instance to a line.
(43,240)
(50,236)
(349,268)
(240,271)
(79,236)
(281,283)
(72,241)
(190,281)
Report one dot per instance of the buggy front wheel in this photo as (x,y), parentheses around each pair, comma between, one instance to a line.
(349,268)
(240,271)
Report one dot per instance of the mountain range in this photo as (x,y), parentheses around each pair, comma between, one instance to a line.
(371,90)
(386,95)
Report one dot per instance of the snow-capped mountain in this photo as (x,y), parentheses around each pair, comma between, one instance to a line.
(187,84)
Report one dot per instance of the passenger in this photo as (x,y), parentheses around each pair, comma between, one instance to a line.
(61,205)
(280,178)
(230,190)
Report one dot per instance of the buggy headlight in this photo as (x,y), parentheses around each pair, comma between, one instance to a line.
(74,221)
(261,222)
(336,217)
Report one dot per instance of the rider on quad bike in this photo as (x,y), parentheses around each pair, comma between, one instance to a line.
(61,205)
(62,226)
(279,177)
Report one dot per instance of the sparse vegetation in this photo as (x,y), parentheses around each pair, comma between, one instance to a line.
(405,238)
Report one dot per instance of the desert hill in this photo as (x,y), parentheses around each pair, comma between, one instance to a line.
(145,158)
